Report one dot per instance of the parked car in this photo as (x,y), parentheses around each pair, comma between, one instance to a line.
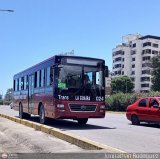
(144,110)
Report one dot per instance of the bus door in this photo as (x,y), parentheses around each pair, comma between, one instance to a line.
(31,92)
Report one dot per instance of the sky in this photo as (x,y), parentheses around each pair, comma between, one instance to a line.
(39,29)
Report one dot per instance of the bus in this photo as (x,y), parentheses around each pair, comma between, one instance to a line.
(61,87)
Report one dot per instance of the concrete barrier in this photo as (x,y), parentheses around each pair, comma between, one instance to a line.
(73,139)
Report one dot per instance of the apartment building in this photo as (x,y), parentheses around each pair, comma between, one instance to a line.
(133,58)
(108,84)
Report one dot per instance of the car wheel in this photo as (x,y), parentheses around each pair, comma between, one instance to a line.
(135,120)
(82,121)
(42,118)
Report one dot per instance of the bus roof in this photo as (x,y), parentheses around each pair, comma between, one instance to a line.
(49,61)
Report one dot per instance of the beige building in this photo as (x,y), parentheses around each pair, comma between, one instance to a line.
(133,58)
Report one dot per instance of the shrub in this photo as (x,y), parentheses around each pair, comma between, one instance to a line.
(120,101)
(7,102)
(1,102)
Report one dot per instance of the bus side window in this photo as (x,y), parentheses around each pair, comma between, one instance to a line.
(51,75)
(35,79)
(14,85)
(42,78)
(22,83)
(48,76)
(17,84)
(25,82)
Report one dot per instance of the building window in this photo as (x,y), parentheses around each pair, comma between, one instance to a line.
(154,52)
(117,66)
(122,66)
(145,79)
(133,73)
(119,72)
(133,52)
(120,52)
(133,59)
(122,72)
(134,45)
(155,45)
(148,51)
(133,79)
(146,72)
(146,58)
(133,66)
(145,85)
(146,65)
(147,44)
(118,59)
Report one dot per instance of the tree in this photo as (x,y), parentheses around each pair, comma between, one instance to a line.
(121,84)
(9,95)
(155,65)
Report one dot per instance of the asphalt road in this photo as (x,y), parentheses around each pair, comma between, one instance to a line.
(114,130)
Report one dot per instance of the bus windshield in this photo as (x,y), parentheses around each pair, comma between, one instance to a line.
(79,80)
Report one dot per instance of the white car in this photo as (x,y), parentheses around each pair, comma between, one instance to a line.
(11,105)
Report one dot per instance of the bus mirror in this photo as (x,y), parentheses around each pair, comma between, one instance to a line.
(106,71)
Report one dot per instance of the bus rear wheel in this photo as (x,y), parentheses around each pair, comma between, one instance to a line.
(22,114)
(42,117)
(82,121)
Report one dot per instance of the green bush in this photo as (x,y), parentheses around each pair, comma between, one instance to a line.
(7,102)
(1,102)
(120,101)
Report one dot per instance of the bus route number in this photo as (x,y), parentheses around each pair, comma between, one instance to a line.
(99,98)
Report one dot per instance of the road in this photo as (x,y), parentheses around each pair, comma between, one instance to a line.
(114,130)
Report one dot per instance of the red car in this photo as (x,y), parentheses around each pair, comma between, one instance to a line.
(144,110)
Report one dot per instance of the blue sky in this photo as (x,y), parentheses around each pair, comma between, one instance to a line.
(39,29)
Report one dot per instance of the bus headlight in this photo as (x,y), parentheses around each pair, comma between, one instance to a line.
(102,107)
(60,106)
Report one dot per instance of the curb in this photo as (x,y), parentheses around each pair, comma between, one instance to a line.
(73,139)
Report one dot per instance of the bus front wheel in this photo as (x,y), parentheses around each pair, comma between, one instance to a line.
(82,121)
(42,117)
